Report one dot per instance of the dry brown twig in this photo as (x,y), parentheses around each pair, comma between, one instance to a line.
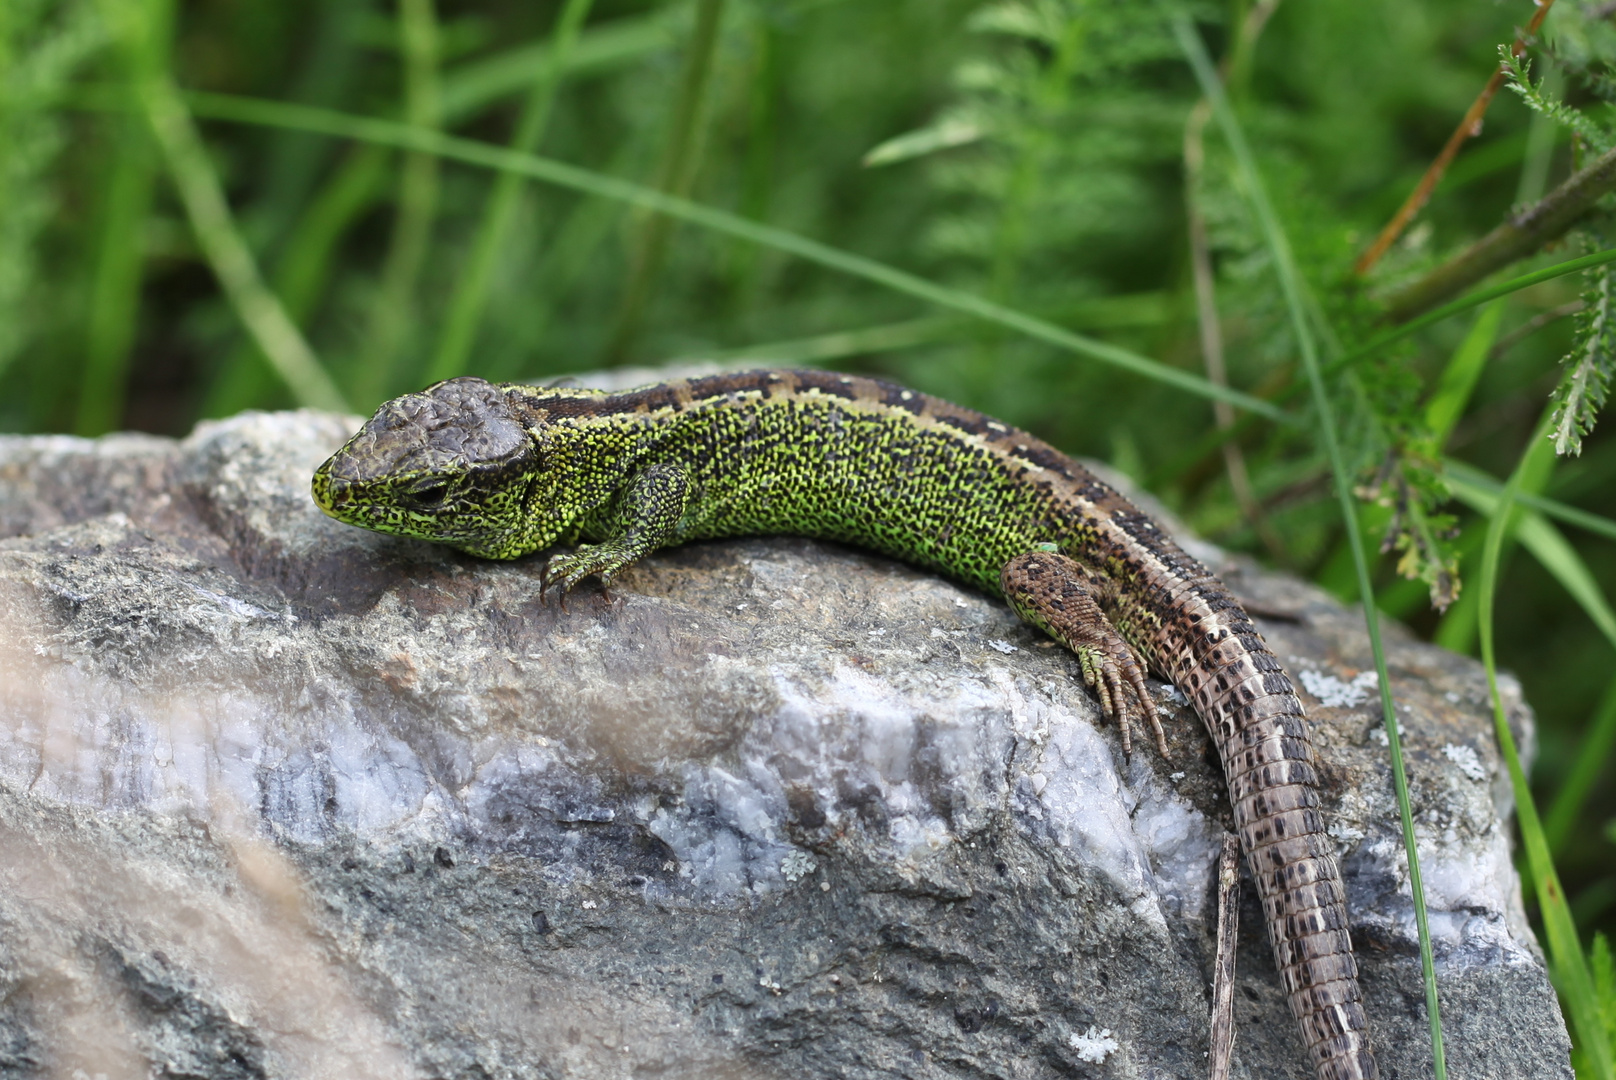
(1532,326)
(1468,127)
(1206,306)
(1519,235)
(1222,1050)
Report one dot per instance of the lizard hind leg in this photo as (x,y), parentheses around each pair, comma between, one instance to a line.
(1062,597)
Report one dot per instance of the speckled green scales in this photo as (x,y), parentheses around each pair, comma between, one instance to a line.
(502,471)
(803,466)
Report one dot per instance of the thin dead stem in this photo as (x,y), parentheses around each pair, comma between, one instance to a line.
(1469,127)
(1222,1049)
(1532,326)
(1519,236)
(1206,305)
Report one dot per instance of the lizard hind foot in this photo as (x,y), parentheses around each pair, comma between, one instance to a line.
(1062,597)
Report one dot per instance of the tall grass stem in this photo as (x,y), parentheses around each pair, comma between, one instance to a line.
(561,174)
(471,291)
(1291,286)
(209,214)
(1572,978)
(676,176)
(393,310)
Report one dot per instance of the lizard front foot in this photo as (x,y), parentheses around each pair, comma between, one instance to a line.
(563,572)
(1062,597)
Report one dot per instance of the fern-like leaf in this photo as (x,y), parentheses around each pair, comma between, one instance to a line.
(1589,365)
(1596,135)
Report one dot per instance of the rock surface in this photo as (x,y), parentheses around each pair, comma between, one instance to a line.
(282,798)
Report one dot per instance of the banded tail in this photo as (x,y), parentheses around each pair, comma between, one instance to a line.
(1213,651)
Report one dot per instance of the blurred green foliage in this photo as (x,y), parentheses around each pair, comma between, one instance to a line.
(1029,153)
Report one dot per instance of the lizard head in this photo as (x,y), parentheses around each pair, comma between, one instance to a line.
(453,464)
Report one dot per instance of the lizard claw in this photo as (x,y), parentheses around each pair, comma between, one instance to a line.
(564,572)
(1062,597)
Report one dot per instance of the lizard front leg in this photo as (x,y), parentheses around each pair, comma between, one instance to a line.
(1063,598)
(646,517)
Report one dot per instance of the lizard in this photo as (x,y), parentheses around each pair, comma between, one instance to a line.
(504,470)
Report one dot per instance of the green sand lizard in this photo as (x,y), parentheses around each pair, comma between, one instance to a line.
(503,470)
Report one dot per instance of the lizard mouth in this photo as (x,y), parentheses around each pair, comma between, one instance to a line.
(330,494)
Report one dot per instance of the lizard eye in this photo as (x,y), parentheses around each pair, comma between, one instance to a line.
(427,495)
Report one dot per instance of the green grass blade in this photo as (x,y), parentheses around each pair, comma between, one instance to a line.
(1213,440)
(1471,476)
(115,292)
(1550,548)
(303,274)
(844,343)
(471,292)
(1557,556)
(1459,376)
(216,233)
(392,310)
(1593,754)
(561,174)
(1127,310)
(471,86)
(1565,947)
(676,175)
(1291,285)
(1475,299)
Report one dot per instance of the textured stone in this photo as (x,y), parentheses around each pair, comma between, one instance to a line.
(279,797)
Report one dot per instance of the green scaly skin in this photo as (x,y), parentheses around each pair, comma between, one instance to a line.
(504,470)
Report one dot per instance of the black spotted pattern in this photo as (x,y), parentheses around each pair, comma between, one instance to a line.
(501,471)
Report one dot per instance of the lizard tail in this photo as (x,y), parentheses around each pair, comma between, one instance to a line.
(1237,686)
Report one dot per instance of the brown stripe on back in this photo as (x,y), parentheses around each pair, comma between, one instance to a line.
(963,421)
(902,398)
(829,383)
(1041,454)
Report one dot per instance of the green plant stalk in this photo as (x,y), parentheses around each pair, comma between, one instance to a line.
(1212,440)
(209,215)
(302,272)
(1468,474)
(471,292)
(471,86)
(392,310)
(1290,285)
(1519,236)
(1465,303)
(561,174)
(676,176)
(1565,947)
(1592,755)
(115,290)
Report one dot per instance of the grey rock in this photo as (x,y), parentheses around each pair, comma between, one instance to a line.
(282,798)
